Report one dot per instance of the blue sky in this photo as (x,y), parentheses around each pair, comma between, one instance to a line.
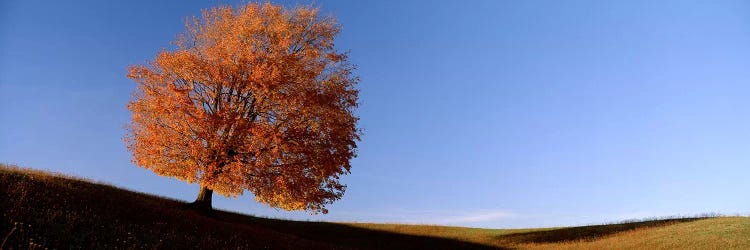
(481,113)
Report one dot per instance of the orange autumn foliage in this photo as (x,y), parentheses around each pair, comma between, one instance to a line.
(254,98)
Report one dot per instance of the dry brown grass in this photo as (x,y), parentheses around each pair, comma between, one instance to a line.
(713,233)
(673,233)
(40,210)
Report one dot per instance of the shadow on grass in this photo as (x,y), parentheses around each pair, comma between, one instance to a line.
(347,236)
(60,212)
(588,233)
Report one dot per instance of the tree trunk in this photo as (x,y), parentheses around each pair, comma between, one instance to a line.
(203,202)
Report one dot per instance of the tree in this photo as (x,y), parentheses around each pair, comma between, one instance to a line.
(254,98)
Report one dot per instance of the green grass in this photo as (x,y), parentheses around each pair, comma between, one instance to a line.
(43,210)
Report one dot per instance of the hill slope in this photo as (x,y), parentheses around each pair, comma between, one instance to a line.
(59,212)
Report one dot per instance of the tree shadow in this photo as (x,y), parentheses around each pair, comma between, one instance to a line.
(588,233)
(60,213)
(346,236)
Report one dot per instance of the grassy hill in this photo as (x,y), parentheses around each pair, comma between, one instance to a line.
(43,210)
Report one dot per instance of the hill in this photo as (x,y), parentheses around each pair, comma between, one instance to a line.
(44,210)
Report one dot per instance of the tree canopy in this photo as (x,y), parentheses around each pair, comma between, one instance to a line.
(253,98)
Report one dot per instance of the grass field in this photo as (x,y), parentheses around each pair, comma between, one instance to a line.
(42,210)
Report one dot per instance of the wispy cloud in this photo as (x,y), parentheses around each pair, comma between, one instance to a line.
(482,216)
(455,218)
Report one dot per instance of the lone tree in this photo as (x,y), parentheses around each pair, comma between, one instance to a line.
(254,98)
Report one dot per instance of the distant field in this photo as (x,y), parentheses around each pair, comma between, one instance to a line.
(42,210)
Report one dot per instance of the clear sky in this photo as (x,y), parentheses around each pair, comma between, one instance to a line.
(475,113)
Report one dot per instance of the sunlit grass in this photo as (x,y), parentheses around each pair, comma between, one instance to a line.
(702,232)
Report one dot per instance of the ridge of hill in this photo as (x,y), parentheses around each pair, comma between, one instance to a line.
(46,210)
